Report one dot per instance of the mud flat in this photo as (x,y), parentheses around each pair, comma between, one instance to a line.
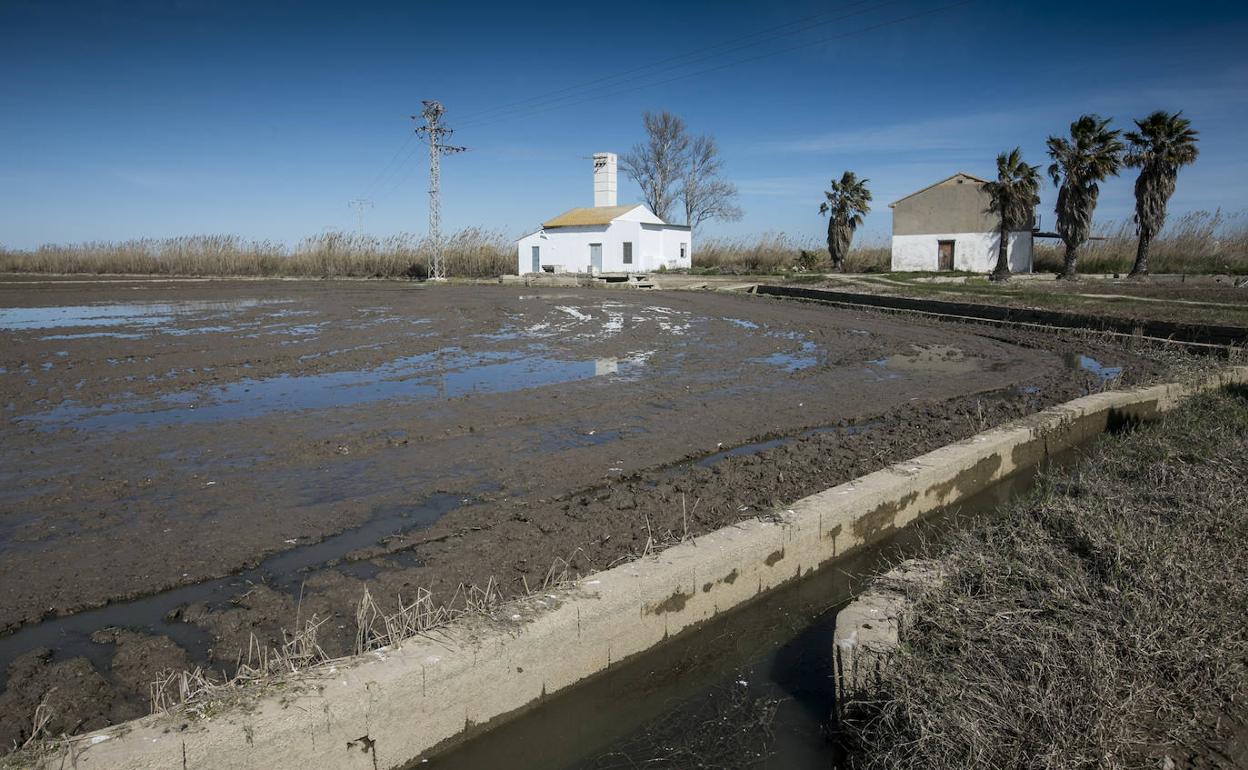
(199,462)
(394,704)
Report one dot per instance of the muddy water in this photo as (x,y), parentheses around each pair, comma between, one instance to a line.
(159,615)
(777,647)
(443,374)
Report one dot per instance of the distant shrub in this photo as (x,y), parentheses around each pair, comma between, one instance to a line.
(807,261)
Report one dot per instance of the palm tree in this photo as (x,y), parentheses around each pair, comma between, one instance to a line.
(846,204)
(1163,143)
(1013,197)
(1092,154)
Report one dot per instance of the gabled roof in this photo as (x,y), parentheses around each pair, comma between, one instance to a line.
(593,215)
(962,174)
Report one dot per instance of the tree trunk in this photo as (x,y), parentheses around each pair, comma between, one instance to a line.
(1002,271)
(1068,265)
(1140,268)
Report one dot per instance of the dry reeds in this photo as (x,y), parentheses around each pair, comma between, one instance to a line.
(199,693)
(376,629)
(1198,242)
(773,252)
(470,253)
(1099,623)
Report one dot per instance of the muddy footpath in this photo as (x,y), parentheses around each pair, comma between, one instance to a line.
(186,466)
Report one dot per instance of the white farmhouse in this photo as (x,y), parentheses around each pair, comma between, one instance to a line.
(947,227)
(606,238)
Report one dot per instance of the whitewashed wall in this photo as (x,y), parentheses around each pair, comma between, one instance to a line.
(668,253)
(972,252)
(567,248)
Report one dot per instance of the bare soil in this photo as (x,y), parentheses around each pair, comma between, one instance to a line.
(314,438)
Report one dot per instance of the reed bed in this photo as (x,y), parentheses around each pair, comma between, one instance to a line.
(774,252)
(1199,242)
(469,253)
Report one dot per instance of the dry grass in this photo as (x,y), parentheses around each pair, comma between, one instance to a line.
(781,253)
(1099,623)
(199,693)
(471,253)
(1200,242)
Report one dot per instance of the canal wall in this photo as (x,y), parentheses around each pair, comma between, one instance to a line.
(1191,334)
(392,707)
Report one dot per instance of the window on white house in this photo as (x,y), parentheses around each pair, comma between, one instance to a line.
(684,249)
(628,252)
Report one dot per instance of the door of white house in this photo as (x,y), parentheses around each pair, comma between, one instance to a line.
(537,259)
(595,257)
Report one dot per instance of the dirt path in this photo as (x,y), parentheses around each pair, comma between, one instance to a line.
(313,438)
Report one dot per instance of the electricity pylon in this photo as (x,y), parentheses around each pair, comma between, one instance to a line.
(359,204)
(434,134)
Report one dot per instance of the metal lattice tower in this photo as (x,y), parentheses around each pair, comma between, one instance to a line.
(435,134)
(359,204)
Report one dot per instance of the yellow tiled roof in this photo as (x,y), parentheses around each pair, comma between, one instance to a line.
(594,215)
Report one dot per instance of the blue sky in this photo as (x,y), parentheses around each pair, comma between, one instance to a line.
(263,119)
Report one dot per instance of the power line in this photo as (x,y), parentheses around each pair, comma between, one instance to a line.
(544,103)
(481,114)
(393,172)
(399,177)
(615,87)
(372,186)
(746,60)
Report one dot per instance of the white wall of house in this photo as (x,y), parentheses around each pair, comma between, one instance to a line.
(972,252)
(674,249)
(567,249)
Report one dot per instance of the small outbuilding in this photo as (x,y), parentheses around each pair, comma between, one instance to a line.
(605,238)
(946,226)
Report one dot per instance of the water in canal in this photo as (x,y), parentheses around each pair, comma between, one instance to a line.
(777,648)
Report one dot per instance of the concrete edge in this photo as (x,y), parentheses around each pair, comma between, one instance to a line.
(1201,335)
(388,708)
(868,629)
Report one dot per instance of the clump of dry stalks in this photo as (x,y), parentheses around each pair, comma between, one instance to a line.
(198,692)
(1098,623)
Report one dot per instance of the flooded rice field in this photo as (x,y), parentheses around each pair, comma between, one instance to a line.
(186,465)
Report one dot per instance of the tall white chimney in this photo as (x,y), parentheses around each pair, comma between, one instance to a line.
(604,179)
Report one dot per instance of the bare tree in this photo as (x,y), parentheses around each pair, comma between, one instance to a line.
(705,195)
(657,164)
